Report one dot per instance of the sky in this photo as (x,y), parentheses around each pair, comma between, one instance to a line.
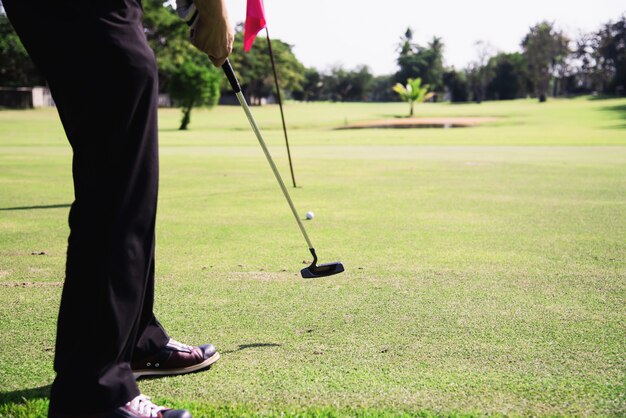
(361,32)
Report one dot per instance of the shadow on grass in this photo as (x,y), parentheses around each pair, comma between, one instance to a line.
(604,97)
(620,111)
(63,205)
(43,392)
(25,403)
(241,347)
(17,396)
(253,345)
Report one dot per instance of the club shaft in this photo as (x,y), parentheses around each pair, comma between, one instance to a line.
(257,132)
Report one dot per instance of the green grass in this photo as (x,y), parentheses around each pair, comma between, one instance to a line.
(486,267)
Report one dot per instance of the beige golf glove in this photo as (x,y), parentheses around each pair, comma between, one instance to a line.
(209,28)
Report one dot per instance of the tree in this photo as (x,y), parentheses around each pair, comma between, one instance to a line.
(479,72)
(413,92)
(311,86)
(341,85)
(254,68)
(423,62)
(510,77)
(435,61)
(610,55)
(336,84)
(406,42)
(545,50)
(16,67)
(167,35)
(193,84)
(382,89)
(591,76)
(601,58)
(456,83)
(184,72)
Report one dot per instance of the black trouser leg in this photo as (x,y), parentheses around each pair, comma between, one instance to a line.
(103,78)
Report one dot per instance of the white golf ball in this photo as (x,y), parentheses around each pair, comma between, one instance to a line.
(310,215)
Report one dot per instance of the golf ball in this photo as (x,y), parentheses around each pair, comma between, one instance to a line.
(310,215)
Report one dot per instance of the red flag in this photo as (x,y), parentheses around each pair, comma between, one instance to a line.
(255,21)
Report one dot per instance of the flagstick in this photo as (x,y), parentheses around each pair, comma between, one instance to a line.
(280,103)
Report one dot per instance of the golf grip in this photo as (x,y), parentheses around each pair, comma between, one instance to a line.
(230,74)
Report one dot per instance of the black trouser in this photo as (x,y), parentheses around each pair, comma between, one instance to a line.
(103,79)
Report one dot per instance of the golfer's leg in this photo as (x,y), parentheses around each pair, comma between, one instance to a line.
(103,78)
(111,246)
(151,336)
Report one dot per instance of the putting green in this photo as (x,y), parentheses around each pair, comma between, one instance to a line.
(486,268)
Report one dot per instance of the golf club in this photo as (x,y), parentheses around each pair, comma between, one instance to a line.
(312,271)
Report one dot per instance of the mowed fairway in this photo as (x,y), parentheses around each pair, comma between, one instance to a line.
(485,267)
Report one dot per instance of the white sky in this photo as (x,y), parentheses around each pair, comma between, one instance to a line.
(353,32)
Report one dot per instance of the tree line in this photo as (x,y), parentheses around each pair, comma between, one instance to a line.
(549,63)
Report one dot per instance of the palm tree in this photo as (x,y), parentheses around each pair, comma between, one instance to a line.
(413,92)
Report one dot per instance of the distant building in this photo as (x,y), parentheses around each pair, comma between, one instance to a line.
(25,97)
(165,100)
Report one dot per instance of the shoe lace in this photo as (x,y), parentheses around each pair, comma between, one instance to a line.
(142,405)
(172,343)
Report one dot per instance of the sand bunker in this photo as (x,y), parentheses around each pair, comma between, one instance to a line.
(399,123)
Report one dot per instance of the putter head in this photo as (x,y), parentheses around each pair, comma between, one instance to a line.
(314,271)
(323,270)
